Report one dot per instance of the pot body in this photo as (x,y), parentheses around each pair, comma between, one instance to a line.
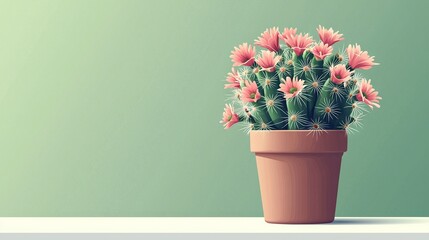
(298,174)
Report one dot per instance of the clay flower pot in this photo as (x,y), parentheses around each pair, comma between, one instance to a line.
(298,174)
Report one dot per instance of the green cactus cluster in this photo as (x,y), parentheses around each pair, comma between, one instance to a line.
(321,105)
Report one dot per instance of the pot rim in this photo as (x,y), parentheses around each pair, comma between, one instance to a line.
(298,141)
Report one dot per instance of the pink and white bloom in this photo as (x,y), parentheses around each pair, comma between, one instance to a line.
(269,39)
(250,92)
(358,58)
(287,34)
(291,87)
(229,116)
(243,55)
(268,60)
(321,51)
(339,74)
(328,36)
(234,79)
(299,43)
(367,94)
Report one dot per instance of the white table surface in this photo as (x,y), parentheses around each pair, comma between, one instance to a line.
(208,225)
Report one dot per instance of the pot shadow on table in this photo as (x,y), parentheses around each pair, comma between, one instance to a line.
(373,221)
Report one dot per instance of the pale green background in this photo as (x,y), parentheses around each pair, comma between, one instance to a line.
(111,108)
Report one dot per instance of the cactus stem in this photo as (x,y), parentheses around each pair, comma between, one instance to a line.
(301,66)
(275,105)
(285,66)
(317,127)
(261,111)
(275,108)
(265,126)
(336,91)
(297,120)
(315,84)
(328,110)
(330,61)
(269,81)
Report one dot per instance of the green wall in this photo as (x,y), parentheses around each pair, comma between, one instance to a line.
(112,108)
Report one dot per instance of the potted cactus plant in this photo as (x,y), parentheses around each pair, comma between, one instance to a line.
(298,100)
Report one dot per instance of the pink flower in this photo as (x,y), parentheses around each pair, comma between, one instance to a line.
(287,34)
(268,60)
(321,51)
(339,74)
(250,93)
(269,39)
(234,79)
(328,36)
(291,88)
(244,54)
(229,116)
(299,43)
(359,59)
(367,94)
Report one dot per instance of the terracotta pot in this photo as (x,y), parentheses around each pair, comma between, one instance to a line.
(298,174)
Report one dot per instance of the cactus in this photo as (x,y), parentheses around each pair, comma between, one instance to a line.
(301,86)
(275,107)
(296,101)
(285,68)
(327,107)
(260,115)
(297,115)
(348,104)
